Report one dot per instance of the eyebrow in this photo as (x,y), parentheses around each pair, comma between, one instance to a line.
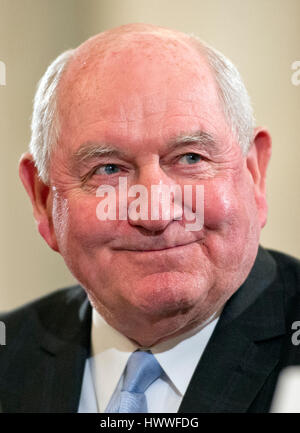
(91,150)
(200,137)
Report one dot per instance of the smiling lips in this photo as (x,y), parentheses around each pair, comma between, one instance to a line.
(158,248)
(171,239)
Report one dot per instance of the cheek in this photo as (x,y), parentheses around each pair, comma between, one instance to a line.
(77,227)
(232,224)
(230,204)
(220,204)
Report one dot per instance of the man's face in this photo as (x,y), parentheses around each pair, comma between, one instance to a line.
(150,278)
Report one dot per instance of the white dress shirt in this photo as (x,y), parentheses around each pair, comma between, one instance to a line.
(110,350)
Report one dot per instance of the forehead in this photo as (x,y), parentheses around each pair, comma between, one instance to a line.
(137,84)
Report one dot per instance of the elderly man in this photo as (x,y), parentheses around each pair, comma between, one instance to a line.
(165,318)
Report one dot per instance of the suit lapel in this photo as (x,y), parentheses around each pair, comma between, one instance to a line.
(67,361)
(244,348)
(64,379)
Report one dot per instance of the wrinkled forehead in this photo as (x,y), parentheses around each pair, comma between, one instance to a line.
(116,62)
(121,79)
(107,49)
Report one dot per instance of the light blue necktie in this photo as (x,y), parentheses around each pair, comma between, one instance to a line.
(142,369)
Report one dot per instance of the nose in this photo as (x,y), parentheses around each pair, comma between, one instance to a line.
(155,200)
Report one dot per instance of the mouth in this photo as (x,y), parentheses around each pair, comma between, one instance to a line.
(159,248)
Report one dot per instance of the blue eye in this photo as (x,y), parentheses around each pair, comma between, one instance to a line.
(107,169)
(190,158)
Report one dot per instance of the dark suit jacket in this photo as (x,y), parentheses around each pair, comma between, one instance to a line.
(47,342)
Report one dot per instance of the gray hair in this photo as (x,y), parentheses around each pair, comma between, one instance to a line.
(233,95)
(45,119)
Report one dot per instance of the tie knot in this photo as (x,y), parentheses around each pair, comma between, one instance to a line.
(142,369)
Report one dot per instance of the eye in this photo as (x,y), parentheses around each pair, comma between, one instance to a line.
(190,158)
(107,169)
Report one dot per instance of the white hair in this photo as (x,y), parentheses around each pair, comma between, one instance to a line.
(45,120)
(233,94)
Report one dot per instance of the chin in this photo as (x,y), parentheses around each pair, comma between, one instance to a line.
(167,294)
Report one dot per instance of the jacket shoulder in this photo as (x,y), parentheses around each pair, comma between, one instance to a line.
(288,271)
(49,311)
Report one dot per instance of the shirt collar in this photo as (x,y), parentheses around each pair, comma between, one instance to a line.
(177,356)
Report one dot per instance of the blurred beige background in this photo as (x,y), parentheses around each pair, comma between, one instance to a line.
(261,37)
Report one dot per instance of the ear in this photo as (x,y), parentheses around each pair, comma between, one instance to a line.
(41,198)
(257,162)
